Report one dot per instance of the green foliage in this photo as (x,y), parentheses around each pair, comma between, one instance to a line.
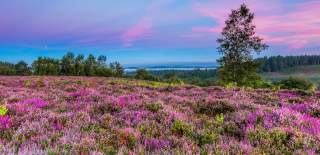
(296,83)
(3,110)
(237,43)
(150,130)
(143,74)
(154,107)
(207,138)
(132,141)
(214,108)
(7,68)
(272,142)
(219,118)
(152,84)
(239,75)
(181,128)
(117,69)
(69,65)
(197,77)
(27,83)
(46,66)
(172,78)
(282,63)
(22,68)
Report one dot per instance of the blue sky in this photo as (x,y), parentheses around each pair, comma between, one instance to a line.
(149,31)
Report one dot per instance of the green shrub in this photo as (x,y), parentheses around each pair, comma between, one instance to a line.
(219,118)
(154,107)
(142,74)
(181,128)
(3,110)
(214,108)
(206,138)
(27,83)
(108,150)
(296,83)
(272,142)
(150,130)
(232,129)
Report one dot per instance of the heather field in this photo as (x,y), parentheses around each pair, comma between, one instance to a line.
(77,115)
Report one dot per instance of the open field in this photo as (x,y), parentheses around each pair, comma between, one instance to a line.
(75,115)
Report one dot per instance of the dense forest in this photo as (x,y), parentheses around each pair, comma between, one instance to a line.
(69,65)
(279,63)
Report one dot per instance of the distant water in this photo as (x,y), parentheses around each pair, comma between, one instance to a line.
(172,66)
(163,69)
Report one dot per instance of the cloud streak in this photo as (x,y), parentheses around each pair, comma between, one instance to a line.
(295,25)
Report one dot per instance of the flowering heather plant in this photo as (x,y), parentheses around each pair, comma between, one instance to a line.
(66,115)
(4,120)
(39,103)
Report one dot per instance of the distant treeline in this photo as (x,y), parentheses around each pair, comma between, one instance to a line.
(280,63)
(68,65)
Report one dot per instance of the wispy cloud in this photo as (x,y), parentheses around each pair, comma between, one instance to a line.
(137,31)
(296,25)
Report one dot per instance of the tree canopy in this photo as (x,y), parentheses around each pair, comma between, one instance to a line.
(237,44)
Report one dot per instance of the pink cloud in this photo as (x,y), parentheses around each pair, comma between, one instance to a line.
(295,25)
(136,32)
(140,29)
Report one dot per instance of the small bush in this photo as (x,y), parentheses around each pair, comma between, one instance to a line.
(27,83)
(128,139)
(232,129)
(3,110)
(214,108)
(272,142)
(206,138)
(181,128)
(219,118)
(150,130)
(154,107)
(296,83)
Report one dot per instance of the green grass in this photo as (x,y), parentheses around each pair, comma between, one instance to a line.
(142,83)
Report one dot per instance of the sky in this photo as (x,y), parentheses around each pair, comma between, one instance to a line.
(149,31)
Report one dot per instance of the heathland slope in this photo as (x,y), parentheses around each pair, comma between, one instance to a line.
(77,115)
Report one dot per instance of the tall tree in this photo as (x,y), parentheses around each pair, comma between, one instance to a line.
(46,66)
(22,68)
(117,69)
(67,64)
(237,44)
(79,65)
(90,65)
(102,60)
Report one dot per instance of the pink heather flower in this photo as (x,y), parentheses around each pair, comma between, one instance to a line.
(156,144)
(39,103)
(57,126)
(4,120)
(80,93)
(125,100)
